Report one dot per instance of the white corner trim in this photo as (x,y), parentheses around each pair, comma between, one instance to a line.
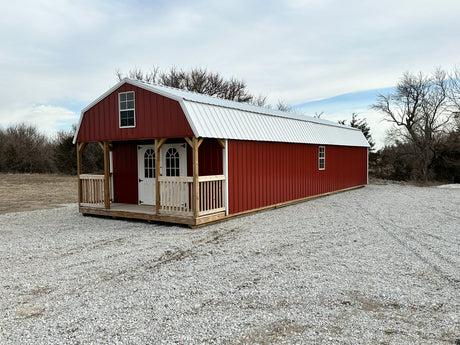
(225,163)
(78,128)
(367,166)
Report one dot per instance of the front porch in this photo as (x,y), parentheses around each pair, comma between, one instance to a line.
(176,203)
(191,200)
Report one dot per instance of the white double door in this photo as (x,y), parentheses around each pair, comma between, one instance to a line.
(173,162)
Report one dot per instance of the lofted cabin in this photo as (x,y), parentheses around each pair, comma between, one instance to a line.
(177,156)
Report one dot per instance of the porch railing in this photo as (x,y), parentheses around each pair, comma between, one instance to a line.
(92,189)
(176,195)
(211,194)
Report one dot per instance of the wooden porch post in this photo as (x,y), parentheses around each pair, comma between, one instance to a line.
(80,147)
(221,143)
(158,144)
(195,144)
(196,183)
(196,173)
(106,175)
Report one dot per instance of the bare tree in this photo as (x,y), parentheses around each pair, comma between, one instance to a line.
(420,110)
(454,90)
(197,80)
(136,73)
(202,81)
(284,107)
(24,149)
(261,101)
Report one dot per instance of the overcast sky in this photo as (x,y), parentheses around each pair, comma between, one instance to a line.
(57,56)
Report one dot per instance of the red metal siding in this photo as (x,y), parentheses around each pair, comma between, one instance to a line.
(266,173)
(125,172)
(156,117)
(125,175)
(209,157)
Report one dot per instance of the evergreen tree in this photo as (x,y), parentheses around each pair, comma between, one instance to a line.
(361,124)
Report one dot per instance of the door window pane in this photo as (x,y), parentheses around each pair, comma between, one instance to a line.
(149,163)
(172,162)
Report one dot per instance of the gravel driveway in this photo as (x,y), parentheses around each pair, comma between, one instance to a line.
(376,265)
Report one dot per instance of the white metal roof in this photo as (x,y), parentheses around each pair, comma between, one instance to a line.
(212,117)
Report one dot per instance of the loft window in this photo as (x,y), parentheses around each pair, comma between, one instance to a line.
(126,107)
(321,158)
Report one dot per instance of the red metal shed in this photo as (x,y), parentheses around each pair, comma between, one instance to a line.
(177,156)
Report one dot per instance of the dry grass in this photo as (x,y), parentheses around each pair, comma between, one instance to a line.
(26,192)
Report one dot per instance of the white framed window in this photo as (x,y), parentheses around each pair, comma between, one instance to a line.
(126,108)
(321,157)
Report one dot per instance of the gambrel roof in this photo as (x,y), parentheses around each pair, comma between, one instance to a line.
(212,117)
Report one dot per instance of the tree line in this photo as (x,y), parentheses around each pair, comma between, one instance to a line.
(23,149)
(423,144)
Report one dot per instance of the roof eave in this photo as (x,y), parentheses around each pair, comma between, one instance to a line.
(93,103)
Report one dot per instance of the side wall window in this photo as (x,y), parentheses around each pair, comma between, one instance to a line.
(126,108)
(321,158)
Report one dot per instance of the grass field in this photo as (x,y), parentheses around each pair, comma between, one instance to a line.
(27,192)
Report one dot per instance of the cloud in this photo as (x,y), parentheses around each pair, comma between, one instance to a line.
(59,53)
(46,118)
(342,106)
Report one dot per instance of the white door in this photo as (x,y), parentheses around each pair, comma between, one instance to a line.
(146,174)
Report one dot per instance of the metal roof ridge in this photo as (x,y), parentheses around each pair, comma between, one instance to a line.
(304,118)
(243,106)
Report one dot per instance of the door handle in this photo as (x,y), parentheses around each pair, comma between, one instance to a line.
(140,180)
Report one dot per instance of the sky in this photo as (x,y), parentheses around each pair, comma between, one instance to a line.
(331,56)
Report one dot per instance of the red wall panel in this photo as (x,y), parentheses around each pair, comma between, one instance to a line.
(156,117)
(266,173)
(125,172)
(209,158)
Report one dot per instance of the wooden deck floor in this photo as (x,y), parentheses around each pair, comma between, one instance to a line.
(146,212)
(148,209)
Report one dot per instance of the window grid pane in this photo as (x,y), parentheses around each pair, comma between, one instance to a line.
(172,162)
(321,157)
(126,107)
(149,163)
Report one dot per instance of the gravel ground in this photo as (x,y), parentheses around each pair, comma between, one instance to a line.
(376,265)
